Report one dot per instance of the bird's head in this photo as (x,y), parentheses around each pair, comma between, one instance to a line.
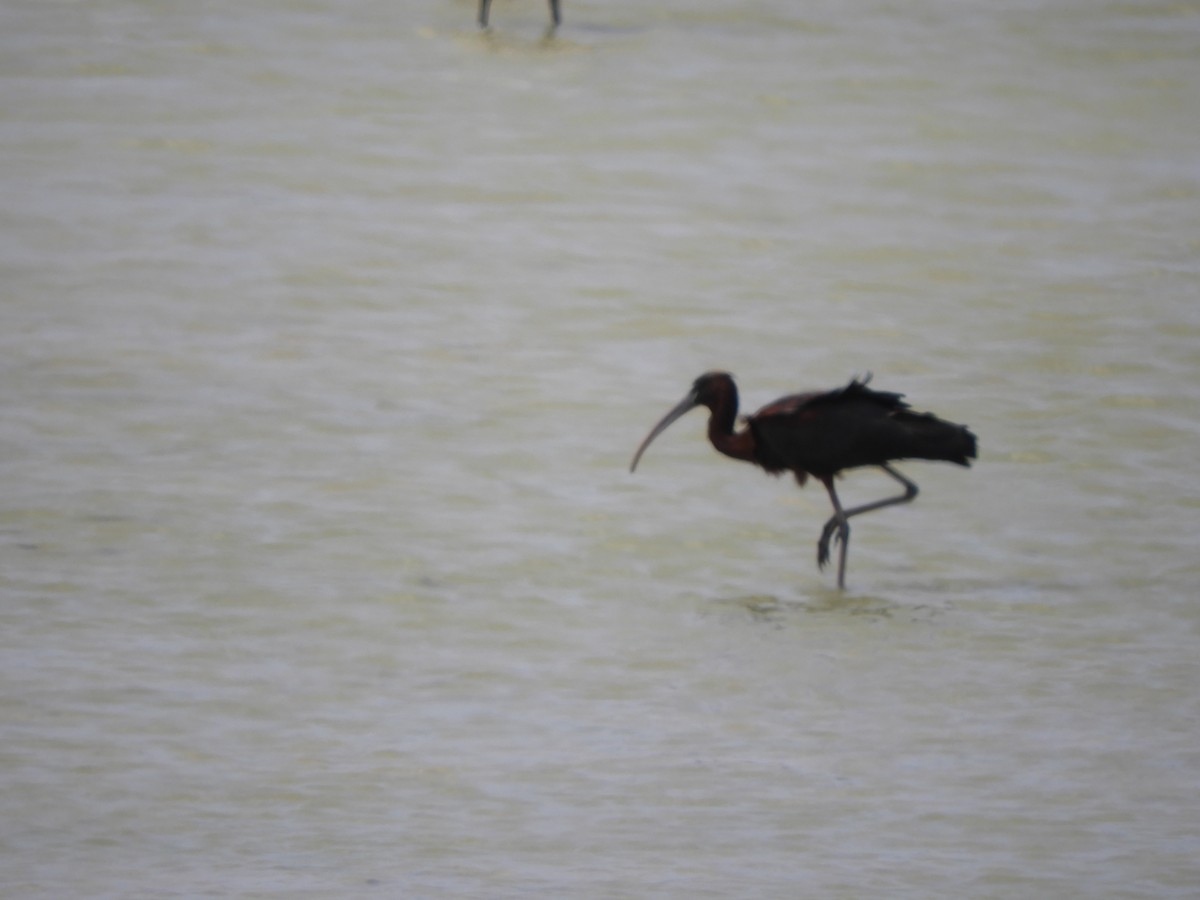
(705,392)
(711,385)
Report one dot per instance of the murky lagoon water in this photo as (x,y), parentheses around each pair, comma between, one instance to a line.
(328,332)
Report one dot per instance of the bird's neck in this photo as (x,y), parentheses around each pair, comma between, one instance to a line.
(736,444)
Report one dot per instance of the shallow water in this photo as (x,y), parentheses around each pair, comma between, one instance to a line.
(329,330)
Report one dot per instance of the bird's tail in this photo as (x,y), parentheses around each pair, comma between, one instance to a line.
(932,438)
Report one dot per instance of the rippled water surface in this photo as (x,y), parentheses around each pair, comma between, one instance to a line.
(329,330)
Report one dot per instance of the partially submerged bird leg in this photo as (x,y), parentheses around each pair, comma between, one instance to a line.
(839,525)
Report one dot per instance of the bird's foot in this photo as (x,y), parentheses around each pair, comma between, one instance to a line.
(833,528)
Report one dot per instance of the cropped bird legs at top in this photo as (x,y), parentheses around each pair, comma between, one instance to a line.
(555,15)
(839,525)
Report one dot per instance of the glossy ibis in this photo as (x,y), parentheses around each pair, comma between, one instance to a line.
(486,5)
(822,434)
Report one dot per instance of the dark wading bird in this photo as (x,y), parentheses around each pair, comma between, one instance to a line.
(821,434)
(486,5)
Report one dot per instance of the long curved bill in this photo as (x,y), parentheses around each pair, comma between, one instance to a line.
(686,405)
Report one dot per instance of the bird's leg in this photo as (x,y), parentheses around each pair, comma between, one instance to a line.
(838,524)
(555,20)
(484,5)
(910,492)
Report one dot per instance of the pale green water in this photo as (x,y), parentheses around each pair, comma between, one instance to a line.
(328,333)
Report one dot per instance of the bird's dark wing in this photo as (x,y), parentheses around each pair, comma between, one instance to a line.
(825,432)
(884,427)
(787,406)
(817,401)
